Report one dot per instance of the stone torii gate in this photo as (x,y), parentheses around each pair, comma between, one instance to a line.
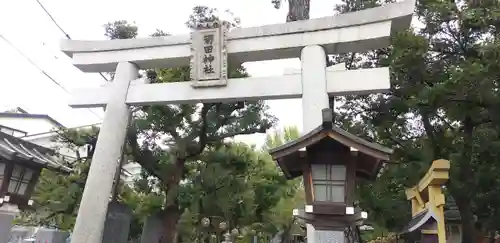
(311,40)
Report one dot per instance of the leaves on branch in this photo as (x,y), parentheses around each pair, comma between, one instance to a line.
(442,104)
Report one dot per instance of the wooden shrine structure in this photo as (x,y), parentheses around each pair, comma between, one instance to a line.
(427,203)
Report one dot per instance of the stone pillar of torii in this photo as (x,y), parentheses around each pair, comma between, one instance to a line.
(207,51)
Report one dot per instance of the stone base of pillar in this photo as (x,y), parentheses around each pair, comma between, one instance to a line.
(117,224)
(7,214)
(152,230)
(324,236)
(309,233)
(19,233)
(51,236)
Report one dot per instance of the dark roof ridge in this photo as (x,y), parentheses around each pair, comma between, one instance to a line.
(419,220)
(327,124)
(14,129)
(26,150)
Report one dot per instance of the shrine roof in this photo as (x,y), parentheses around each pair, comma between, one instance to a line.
(321,132)
(16,149)
(419,220)
(289,156)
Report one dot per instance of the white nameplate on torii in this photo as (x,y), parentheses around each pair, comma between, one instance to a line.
(339,82)
(208,64)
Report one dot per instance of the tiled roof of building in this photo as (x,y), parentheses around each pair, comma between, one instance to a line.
(16,149)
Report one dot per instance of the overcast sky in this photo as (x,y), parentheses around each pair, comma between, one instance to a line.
(25,25)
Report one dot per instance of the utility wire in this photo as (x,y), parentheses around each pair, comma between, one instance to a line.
(53,20)
(69,38)
(38,67)
(62,30)
(33,63)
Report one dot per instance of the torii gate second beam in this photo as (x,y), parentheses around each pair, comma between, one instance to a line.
(339,82)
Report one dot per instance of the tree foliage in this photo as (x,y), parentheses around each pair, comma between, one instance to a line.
(442,104)
(57,197)
(280,218)
(234,183)
(278,138)
(120,29)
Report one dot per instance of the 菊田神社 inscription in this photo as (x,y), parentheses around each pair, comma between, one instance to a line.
(209,55)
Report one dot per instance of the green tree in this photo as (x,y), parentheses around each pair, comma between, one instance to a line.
(278,138)
(235,183)
(120,29)
(56,197)
(280,218)
(442,104)
(186,131)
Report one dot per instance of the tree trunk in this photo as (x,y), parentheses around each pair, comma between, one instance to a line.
(466,178)
(298,10)
(467,217)
(172,212)
(170,219)
(285,236)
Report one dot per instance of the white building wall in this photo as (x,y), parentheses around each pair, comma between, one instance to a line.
(48,140)
(29,125)
(135,171)
(39,132)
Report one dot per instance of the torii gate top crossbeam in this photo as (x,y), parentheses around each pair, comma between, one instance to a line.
(357,31)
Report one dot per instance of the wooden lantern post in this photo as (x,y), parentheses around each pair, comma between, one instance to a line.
(330,160)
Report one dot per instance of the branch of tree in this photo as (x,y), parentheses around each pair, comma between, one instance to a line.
(429,130)
(142,156)
(350,62)
(202,134)
(448,124)
(400,143)
(473,102)
(478,122)
(245,132)
(393,138)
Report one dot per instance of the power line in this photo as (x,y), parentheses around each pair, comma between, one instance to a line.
(39,68)
(62,30)
(33,63)
(53,20)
